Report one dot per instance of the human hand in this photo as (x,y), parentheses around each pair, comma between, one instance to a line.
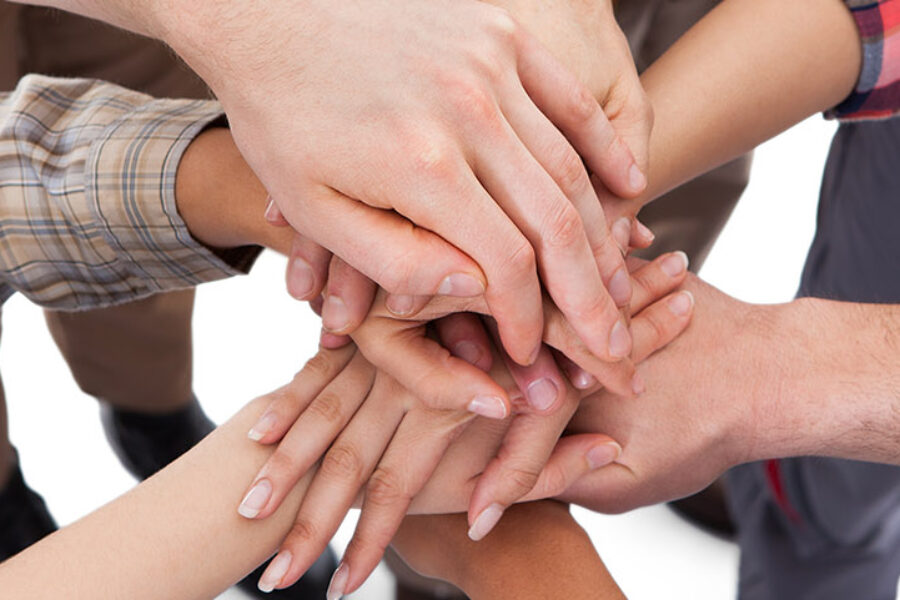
(538,551)
(458,131)
(393,442)
(697,417)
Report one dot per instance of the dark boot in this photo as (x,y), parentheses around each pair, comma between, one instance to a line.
(24,518)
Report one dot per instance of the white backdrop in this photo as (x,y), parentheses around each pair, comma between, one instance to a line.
(250,338)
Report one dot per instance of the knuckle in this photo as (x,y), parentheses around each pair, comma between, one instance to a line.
(281,464)
(521,479)
(367,540)
(476,104)
(396,272)
(657,328)
(564,228)
(342,462)
(302,530)
(568,171)
(502,24)
(385,488)
(435,158)
(319,366)
(594,308)
(327,407)
(553,482)
(521,260)
(583,106)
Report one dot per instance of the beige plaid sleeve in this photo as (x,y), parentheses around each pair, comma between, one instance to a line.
(87,195)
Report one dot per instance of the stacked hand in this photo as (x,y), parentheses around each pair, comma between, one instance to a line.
(387,449)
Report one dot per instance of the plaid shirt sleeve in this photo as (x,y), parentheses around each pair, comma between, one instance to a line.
(877,93)
(87,195)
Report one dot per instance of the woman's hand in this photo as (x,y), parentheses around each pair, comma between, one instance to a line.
(389,443)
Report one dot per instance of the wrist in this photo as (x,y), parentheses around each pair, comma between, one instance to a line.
(838,389)
(220,199)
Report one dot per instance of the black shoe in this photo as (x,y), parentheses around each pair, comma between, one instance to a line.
(708,510)
(313,584)
(145,443)
(24,518)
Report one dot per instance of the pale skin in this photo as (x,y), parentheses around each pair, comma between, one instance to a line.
(176,536)
(469,129)
(682,441)
(838,87)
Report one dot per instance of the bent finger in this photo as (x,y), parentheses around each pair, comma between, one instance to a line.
(348,298)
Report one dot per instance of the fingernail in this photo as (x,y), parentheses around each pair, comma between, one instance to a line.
(621,232)
(541,394)
(275,572)
(262,427)
(645,231)
(460,285)
(491,407)
(468,351)
(637,385)
(401,305)
(681,303)
(620,287)
(675,264)
(272,214)
(619,341)
(604,454)
(335,316)
(300,278)
(534,355)
(485,522)
(255,499)
(582,380)
(338,583)
(636,179)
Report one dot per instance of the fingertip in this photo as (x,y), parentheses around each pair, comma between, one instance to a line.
(263,426)
(543,394)
(603,455)
(333,341)
(274,574)
(637,181)
(621,233)
(620,342)
(485,522)
(642,236)
(681,304)
(491,407)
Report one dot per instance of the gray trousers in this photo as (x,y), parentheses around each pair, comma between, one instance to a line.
(834,533)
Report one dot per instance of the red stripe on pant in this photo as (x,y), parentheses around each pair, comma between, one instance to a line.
(776,485)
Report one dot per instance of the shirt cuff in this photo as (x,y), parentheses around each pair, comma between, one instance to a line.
(877,93)
(130,191)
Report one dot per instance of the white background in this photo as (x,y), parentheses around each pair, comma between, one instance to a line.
(250,338)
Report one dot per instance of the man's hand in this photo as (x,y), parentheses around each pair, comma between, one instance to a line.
(386,441)
(368,117)
(698,416)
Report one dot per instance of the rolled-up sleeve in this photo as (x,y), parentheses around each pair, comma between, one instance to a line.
(877,92)
(87,195)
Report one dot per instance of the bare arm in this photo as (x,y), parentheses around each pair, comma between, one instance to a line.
(749,70)
(537,551)
(175,536)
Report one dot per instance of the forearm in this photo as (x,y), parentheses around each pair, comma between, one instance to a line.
(221,200)
(178,535)
(837,390)
(536,551)
(746,72)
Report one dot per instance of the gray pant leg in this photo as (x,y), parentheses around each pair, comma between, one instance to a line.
(846,543)
(843,544)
